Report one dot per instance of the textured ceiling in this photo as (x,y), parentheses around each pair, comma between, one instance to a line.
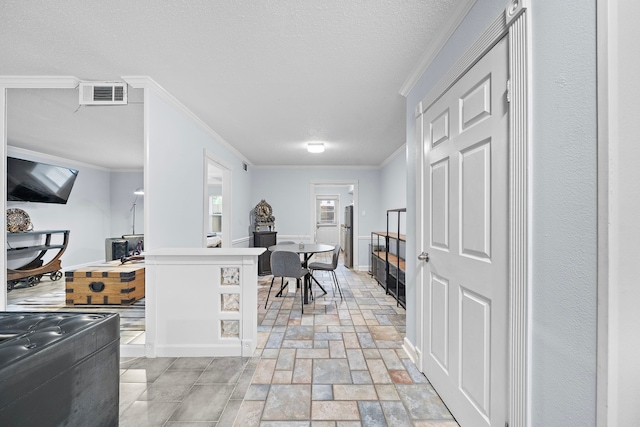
(265,75)
(51,121)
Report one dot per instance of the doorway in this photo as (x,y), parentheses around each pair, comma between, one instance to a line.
(327,215)
(100,202)
(344,193)
(465,215)
(217,203)
(511,25)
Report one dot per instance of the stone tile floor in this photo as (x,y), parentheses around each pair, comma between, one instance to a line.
(340,364)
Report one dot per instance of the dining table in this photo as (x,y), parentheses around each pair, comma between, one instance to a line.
(306,250)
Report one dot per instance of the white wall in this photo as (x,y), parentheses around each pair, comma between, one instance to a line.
(563,264)
(564,217)
(242,205)
(123,184)
(175,169)
(86,214)
(393,185)
(287,191)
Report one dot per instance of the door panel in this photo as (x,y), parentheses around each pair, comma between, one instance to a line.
(439,128)
(476,104)
(475,191)
(475,333)
(440,204)
(439,345)
(465,208)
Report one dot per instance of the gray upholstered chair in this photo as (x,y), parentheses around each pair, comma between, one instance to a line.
(287,264)
(330,267)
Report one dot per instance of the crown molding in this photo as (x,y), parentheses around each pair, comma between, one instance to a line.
(39,82)
(127,170)
(324,167)
(146,82)
(461,9)
(401,149)
(388,160)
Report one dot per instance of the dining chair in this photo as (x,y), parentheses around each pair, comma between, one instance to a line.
(287,242)
(287,264)
(330,267)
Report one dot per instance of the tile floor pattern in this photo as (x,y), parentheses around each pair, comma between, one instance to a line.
(49,295)
(340,364)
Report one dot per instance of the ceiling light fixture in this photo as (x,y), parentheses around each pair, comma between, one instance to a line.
(315,147)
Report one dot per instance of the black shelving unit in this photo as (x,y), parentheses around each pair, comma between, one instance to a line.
(388,249)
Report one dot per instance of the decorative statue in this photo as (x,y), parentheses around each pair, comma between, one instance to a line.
(263,218)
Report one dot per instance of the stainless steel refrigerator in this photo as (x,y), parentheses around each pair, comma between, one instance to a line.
(347,236)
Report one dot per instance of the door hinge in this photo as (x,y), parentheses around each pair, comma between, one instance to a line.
(508,100)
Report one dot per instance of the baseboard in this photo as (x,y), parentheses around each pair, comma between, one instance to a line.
(132,350)
(206,350)
(248,347)
(411,351)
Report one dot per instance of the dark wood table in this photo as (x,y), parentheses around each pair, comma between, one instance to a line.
(307,250)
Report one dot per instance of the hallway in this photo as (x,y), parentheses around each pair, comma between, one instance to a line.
(340,364)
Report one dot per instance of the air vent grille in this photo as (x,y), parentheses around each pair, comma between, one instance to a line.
(118,93)
(103,93)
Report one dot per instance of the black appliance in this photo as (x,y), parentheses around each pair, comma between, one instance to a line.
(29,181)
(347,236)
(116,248)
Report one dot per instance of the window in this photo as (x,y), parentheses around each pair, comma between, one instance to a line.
(215,205)
(326,212)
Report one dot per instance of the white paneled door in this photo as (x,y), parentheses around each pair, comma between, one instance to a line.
(465,221)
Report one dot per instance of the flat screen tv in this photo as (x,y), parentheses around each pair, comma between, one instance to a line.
(29,181)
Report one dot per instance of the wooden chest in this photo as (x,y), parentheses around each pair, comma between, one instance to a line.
(105,284)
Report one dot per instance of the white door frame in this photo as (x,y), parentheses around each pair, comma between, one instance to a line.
(312,204)
(512,23)
(227,198)
(617,387)
(53,82)
(20,82)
